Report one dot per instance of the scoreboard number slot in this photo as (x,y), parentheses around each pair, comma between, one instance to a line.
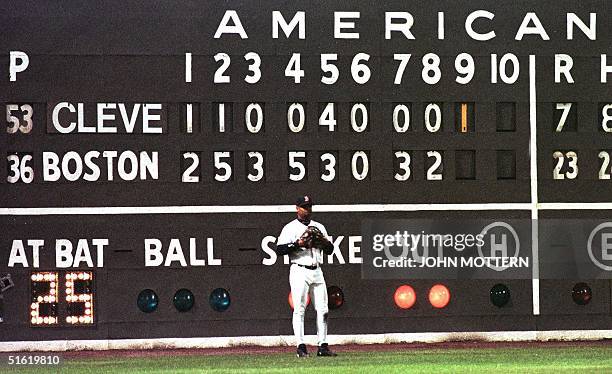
(465,117)
(604,170)
(359,117)
(433,110)
(328,116)
(566,109)
(328,166)
(254,117)
(296,117)
(434,172)
(403,171)
(19,118)
(606,118)
(222,117)
(255,165)
(297,169)
(19,169)
(222,166)
(401,118)
(190,168)
(360,165)
(566,166)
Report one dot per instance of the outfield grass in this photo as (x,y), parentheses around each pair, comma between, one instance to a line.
(487,360)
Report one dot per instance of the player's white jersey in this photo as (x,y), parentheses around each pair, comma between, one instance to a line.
(292,232)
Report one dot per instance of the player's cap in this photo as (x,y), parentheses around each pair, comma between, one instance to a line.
(304,201)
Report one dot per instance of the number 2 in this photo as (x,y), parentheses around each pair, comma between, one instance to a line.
(432,175)
(605,162)
(572,171)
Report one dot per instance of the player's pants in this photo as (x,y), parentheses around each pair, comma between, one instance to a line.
(302,282)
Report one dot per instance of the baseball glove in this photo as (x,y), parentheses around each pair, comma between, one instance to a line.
(313,238)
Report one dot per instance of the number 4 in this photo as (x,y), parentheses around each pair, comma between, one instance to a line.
(327,117)
(293,68)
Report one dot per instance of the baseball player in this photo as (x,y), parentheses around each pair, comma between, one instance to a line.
(305,241)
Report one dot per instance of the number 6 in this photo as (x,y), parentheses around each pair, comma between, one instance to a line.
(20,169)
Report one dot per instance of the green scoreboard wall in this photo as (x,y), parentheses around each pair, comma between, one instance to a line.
(192,127)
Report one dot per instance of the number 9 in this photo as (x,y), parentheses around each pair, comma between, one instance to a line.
(464,64)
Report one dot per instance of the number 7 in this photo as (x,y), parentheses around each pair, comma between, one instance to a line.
(566,107)
(403,59)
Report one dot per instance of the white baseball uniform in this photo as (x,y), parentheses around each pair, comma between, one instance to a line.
(303,279)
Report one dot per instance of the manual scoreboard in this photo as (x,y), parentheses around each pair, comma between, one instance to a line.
(153,154)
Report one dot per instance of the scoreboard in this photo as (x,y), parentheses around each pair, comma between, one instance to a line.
(153,152)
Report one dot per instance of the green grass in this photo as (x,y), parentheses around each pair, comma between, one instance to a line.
(501,360)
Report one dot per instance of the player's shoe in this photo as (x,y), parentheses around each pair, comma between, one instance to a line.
(302,351)
(324,351)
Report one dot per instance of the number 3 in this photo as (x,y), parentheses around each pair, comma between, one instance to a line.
(20,169)
(14,122)
(572,165)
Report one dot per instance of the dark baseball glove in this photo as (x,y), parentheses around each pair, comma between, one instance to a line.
(313,238)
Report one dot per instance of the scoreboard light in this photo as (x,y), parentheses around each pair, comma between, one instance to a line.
(219,299)
(439,296)
(582,294)
(499,295)
(43,293)
(335,297)
(147,301)
(404,297)
(79,291)
(183,300)
(78,296)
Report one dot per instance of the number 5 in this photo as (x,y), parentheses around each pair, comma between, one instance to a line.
(295,164)
(15,123)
